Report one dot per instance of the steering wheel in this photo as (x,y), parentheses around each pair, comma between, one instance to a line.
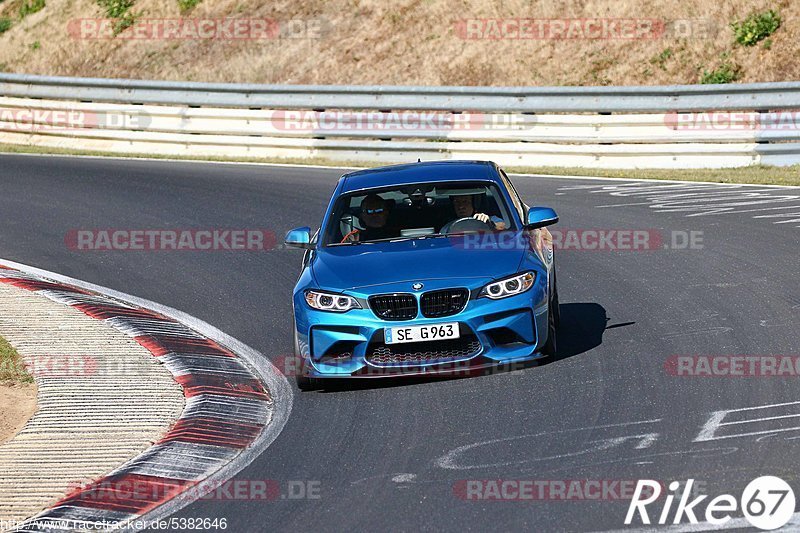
(465,225)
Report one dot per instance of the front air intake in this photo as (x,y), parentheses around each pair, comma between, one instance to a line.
(394,306)
(447,302)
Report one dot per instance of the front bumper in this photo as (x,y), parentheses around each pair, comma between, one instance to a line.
(492,333)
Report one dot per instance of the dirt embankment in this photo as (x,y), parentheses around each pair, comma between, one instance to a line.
(426,42)
(17,405)
(17,392)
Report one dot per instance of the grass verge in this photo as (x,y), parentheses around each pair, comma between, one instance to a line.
(12,369)
(755,174)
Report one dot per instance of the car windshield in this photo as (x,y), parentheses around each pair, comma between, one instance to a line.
(424,210)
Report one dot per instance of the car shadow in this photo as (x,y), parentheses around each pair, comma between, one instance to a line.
(581,329)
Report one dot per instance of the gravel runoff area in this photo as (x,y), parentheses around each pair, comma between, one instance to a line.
(102,400)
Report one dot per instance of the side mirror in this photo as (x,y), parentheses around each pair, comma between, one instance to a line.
(299,238)
(539,217)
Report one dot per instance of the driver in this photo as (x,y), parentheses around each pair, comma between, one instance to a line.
(374,216)
(464,206)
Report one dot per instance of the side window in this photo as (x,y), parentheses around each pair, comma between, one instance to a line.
(518,204)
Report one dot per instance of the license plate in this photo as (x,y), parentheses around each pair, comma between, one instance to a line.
(430,332)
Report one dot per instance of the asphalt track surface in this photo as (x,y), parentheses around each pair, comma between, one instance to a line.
(391,456)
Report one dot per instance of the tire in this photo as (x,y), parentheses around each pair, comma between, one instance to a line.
(304,383)
(550,348)
(556,308)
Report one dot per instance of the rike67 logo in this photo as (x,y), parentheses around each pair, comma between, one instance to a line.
(767,503)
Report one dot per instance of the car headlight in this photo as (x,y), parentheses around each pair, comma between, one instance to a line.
(510,286)
(326,301)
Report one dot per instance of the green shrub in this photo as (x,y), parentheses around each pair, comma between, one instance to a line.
(187,5)
(12,367)
(116,8)
(124,22)
(120,11)
(727,72)
(756,27)
(29,7)
(5,24)
(661,58)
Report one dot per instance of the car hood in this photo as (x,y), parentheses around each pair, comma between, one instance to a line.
(363,265)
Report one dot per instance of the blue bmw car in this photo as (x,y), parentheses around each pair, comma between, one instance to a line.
(425,268)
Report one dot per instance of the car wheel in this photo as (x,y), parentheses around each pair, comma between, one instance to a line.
(555,307)
(304,383)
(550,348)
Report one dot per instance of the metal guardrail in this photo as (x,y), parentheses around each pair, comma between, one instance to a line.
(754,96)
(621,127)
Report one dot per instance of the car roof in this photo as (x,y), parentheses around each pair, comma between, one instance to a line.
(429,171)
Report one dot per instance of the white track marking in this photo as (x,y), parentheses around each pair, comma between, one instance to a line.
(692,332)
(703,200)
(276,383)
(449,461)
(733,523)
(621,205)
(715,422)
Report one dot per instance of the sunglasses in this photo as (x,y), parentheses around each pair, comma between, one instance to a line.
(377,211)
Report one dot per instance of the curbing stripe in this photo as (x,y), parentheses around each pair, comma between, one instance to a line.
(160,345)
(139,327)
(194,385)
(182,364)
(228,410)
(178,460)
(239,409)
